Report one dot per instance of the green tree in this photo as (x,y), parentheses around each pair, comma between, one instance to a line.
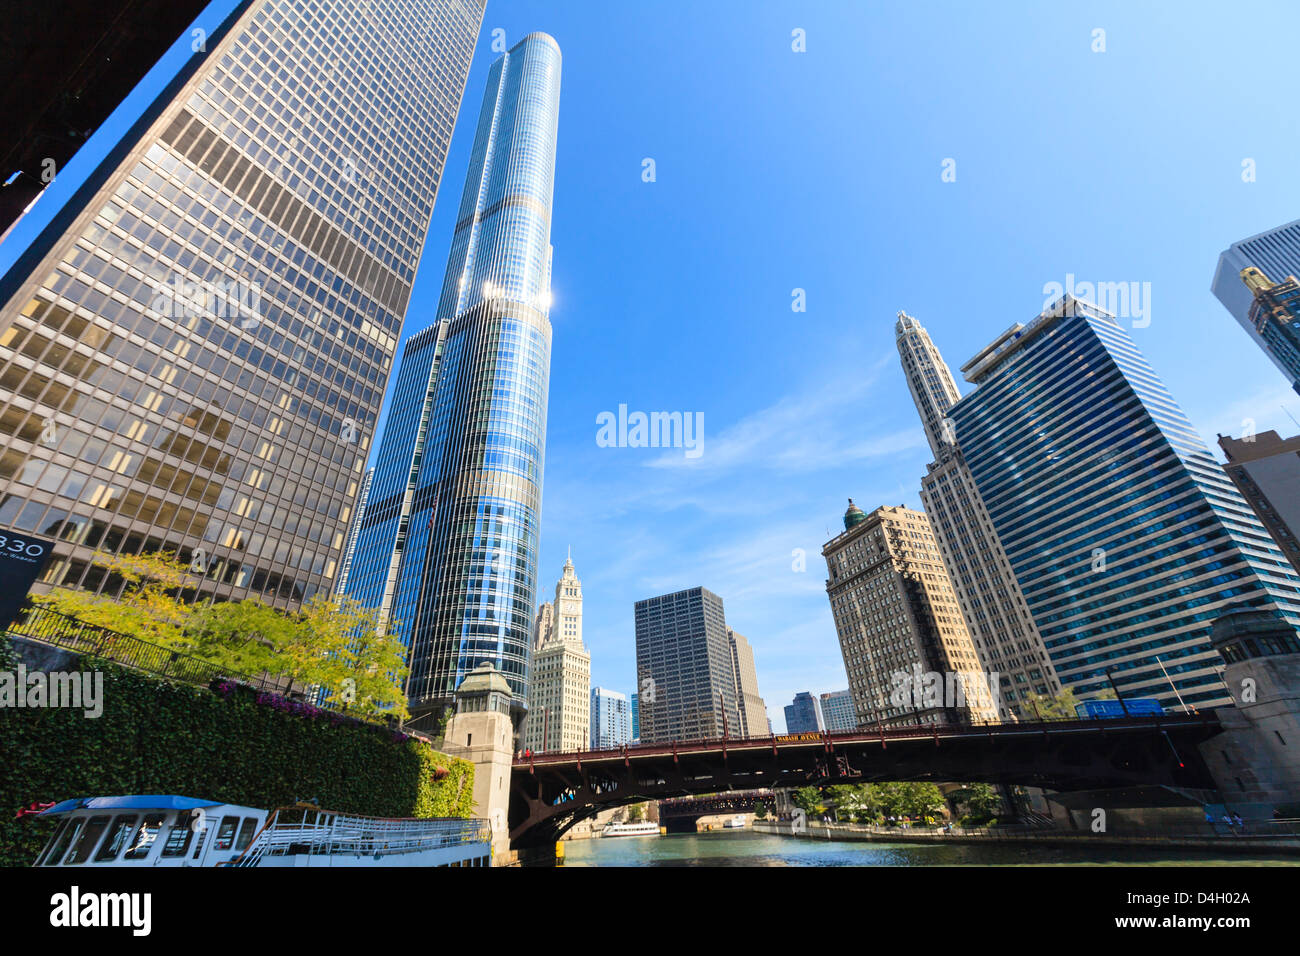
(330,644)
(851,800)
(760,811)
(1054,707)
(149,608)
(807,799)
(636,813)
(910,799)
(980,800)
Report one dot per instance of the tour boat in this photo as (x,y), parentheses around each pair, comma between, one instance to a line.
(155,830)
(735,823)
(630,830)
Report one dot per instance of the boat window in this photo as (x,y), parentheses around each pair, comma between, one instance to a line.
(58,842)
(86,841)
(116,839)
(145,836)
(178,837)
(203,836)
(226,833)
(246,833)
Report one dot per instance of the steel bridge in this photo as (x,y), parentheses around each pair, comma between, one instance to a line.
(551,792)
(680,813)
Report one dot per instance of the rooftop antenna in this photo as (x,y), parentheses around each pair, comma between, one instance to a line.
(1290,416)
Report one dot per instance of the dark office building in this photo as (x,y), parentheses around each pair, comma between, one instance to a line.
(804,716)
(197,360)
(684,671)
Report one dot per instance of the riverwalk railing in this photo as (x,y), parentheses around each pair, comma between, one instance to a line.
(48,626)
(1288,830)
(57,629)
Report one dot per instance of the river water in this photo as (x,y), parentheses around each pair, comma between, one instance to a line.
(747,848)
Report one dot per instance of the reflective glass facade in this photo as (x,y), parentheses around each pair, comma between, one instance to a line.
(995,612)
(1277,254)
(198,362)
(448,547)
(1126,537)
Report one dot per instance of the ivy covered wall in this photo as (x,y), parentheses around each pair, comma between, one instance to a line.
(225,744)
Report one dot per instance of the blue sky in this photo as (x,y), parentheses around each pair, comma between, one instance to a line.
(821,171)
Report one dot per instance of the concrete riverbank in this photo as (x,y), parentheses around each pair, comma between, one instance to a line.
(1219,843)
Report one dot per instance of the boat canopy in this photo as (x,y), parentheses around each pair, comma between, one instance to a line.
(137,802)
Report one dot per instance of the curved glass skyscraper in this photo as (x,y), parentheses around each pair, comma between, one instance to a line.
(448,546)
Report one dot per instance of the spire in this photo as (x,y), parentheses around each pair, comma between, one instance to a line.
(930,381)
(568,561)
(905,324)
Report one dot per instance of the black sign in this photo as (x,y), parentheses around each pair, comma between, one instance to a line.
(22,559)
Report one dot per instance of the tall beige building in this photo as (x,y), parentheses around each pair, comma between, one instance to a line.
(559,718)
(992,605)
(753,713)
(908,655)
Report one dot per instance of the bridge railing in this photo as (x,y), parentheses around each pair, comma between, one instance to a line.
(872,733)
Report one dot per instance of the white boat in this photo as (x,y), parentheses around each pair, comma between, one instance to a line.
(630,830)
(735,823)
(156,830)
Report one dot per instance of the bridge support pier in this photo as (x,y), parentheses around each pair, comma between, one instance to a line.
(1255,762)
(481,731)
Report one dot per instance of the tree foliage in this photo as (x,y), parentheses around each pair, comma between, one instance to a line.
(331,644)
(981,801)
(1054,707)
(807,799)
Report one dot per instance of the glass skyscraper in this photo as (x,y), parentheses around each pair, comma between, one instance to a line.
(610,723)
(1275,315)
(837,711)
(1125,535)
(1276,253)
(448,546)
(804,715)
(193,357)
(997,619)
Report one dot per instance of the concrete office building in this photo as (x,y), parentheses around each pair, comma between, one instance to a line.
(899,624)
(1266,470)
(560,718)
(753,712)
(837,711)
